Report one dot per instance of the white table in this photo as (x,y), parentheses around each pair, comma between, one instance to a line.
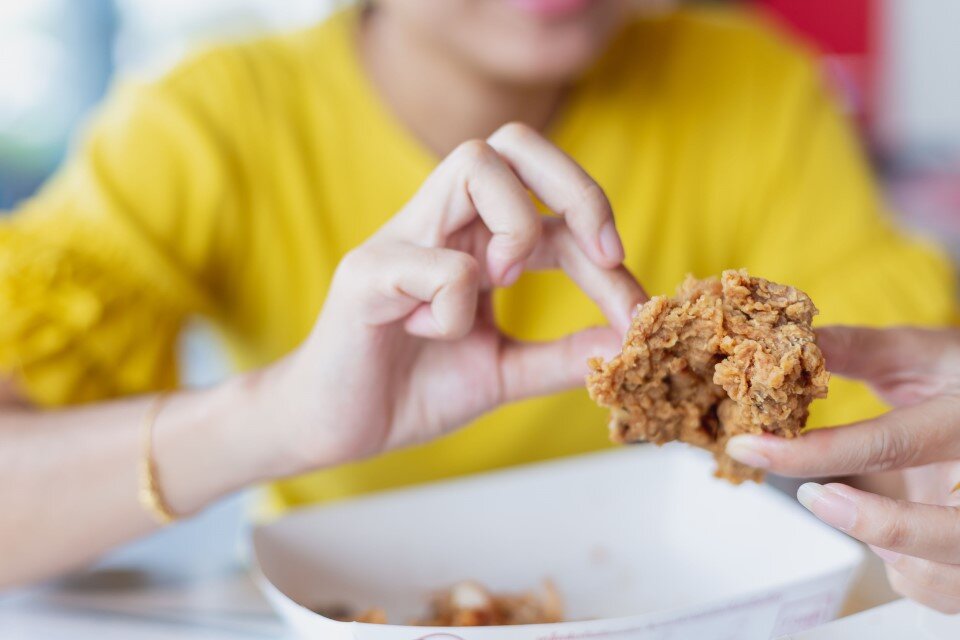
(898,620)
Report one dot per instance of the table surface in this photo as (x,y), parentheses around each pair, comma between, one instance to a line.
(897,620)
(190,582)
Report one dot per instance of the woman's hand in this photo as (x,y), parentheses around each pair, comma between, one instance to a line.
(918,372)
(406,349)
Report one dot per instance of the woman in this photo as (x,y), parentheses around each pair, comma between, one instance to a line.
(291,190)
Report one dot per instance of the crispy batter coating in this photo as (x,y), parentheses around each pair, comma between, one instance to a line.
(722,357)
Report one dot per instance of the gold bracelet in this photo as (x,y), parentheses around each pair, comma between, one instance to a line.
(151,497)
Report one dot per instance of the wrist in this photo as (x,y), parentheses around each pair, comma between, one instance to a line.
(293,419)
(211,442)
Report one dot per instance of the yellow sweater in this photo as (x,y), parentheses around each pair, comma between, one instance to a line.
(231,188)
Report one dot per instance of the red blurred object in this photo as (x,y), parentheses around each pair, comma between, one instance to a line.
(846,33)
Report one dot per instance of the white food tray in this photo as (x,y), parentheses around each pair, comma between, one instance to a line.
(642,543)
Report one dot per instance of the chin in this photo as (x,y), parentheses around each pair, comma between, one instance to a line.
(532,48)
(545,53)
(519,41)
(528,64)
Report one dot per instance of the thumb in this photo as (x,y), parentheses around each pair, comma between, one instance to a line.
(538,368)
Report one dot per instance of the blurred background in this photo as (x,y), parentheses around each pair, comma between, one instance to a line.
(892,62)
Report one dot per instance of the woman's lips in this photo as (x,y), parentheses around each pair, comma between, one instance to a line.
(550,8)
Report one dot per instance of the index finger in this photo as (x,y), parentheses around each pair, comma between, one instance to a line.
(565,188)
(902,438)
(879,355)
(473,182)
(615,291)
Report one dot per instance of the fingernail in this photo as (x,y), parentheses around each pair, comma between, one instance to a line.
(831,507)
(512,274)
(610,243)
(747,449)
(885,554)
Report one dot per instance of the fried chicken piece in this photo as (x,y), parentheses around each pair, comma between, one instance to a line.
(469,604)
(720,358)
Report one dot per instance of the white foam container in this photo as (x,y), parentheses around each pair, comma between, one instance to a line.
(642,543)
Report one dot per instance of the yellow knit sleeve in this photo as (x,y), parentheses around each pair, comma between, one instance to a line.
(76,325)
(99,271)
(824,228)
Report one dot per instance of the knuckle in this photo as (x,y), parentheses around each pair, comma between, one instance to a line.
(354,264)
(887,450)
(591,197)
(355,277)
(518,131)
(525,232)
(473,152)
(587,201)
(893,533)
(463,269)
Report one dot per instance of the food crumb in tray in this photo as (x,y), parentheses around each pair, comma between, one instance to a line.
(470,604)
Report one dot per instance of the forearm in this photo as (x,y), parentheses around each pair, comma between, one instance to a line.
(69,479)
